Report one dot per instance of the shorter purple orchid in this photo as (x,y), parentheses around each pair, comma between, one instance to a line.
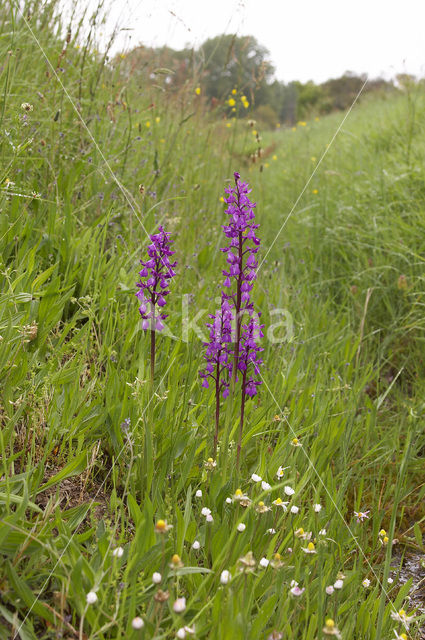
(155,277)
(249,362)
(158,271)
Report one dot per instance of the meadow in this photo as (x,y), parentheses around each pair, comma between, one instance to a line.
(117,518)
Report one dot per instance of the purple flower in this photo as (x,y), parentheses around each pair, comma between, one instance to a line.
(249,360)
(155,276)
(217,354)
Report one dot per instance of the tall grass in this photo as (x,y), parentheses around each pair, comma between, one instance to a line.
(92,460)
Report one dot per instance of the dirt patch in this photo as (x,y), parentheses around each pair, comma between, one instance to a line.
(414,567)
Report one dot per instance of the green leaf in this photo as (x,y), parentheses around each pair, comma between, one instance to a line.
(73,468)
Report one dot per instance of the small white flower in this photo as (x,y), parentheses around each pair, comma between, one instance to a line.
(317,507)
(118,552)
(294,509)
(264,563)
(137,623)
(309,548)
(198,494)
(280,472)
(209,518)
(401,616)
(366,583)
(181,633)
(322,532)
(225,576)
(228,500)
(156,577)
(241,527)
(265,486)
(289,491)
(179,605)
(361,515)
(256,478)
(205,511)
(196,545)
(329,590)
(91,597)
(293,583)
(271,531)
(390,580)
(279,503)
(338,584)
(296,591)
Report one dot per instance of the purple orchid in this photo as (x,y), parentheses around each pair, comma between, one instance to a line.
(155,276)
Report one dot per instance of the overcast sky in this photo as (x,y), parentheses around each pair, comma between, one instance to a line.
(314,39)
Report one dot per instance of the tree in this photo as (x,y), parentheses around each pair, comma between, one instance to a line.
(234,62)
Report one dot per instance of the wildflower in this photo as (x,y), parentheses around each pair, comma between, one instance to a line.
(179,605)
(300,533)
(209,518)
(256,478)
(294,509)
(317,508)
(390,580)
(280,472)
(366,583)
(275,635)
(234,92)
(155,276)
(261,507)
(243,499)
(205,511)
(382,533)
(271,531)
(181,633)
(329,590)
(315,192)
(276,561)
(241,527)
(198,493)
(162,527)
(247,562)
(338,584)
(289,491)
(156,577)
(228,500)
(210,464)
(225,576)
(137,623)
(231,102)
(330,629)
(265,486)
(399,636)
(26,106)
(157,119)
(147,124)
(310,548)
(118,552)
(322,532)
(401,616)
(161,596)
(361,515)
(279,503)
(91,597)
(296,590)
(274,157)
(295,442)
(176,562)
(264,563)
(198,91)
(196,545)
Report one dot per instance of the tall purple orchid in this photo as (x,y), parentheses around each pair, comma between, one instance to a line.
(233,347)
(155,276)
(241,254)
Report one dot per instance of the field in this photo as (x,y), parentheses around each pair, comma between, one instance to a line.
(117,517)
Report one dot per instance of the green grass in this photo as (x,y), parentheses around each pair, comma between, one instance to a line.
(347,380)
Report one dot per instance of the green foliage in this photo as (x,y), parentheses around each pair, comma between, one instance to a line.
(81,188)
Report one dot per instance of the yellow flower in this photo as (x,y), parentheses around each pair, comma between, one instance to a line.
(302,123)
(278,125)
(231,102)
(221,199)
(228,125)
(162,526)
(157,119)
(274,157)
(198,91)
(147,124)
(162,140)
(315,191)
(234,92)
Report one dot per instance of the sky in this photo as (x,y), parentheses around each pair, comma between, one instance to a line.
(309,40)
